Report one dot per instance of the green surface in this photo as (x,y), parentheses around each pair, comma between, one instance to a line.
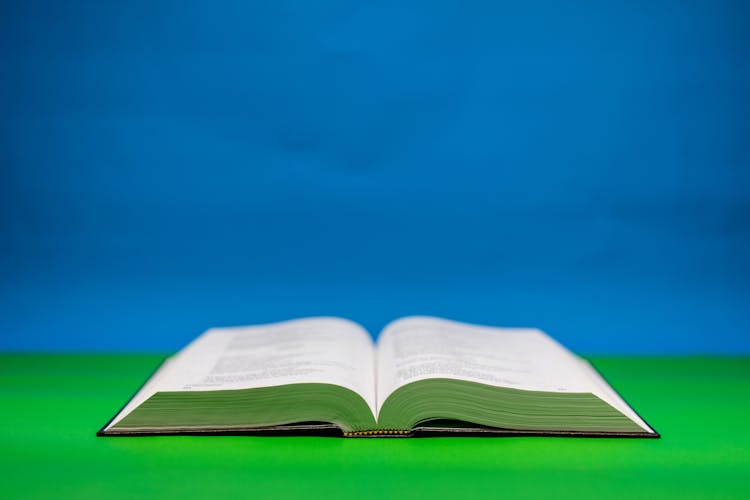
(53,404)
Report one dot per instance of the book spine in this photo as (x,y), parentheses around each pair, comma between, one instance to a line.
(378,433)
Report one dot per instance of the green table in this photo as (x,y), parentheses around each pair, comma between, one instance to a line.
(53,404)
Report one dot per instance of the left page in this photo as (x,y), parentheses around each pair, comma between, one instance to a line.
(312,350)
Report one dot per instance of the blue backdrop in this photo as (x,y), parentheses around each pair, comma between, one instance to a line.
(583,167)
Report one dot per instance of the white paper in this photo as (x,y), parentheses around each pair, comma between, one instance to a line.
(340,352)
(312,350)
(419,348)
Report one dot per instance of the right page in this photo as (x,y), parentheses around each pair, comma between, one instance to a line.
(524,360)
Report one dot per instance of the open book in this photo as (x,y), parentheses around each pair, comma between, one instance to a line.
(423,376)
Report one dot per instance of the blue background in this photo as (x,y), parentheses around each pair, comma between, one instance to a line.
(583,167)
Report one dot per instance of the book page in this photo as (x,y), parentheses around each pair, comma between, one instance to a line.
(418,348)
(312,350)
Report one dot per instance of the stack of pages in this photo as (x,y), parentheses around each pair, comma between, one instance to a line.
(424,376)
